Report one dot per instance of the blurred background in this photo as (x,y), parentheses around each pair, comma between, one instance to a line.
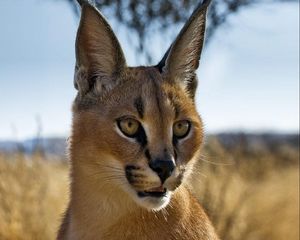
(248,97)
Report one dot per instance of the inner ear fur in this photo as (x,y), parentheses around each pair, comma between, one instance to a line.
(99,56)
(181,61)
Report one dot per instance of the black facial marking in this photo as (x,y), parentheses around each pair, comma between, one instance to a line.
(141,137)
(175,141)
(129,174)
(157,92)
(158,101)
(148,155)
(139,105)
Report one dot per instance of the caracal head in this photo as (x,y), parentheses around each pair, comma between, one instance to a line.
(136,128)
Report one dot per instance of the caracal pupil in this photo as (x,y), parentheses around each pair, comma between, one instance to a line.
(135,138)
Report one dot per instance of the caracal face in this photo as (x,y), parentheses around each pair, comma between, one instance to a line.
(143,134)
(136,128)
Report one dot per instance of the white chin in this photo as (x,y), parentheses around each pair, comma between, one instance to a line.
(153,203)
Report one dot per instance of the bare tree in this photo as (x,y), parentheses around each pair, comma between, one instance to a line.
(142,15)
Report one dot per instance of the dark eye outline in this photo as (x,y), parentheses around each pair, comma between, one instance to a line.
(119,120)
(139,136)
(187,132)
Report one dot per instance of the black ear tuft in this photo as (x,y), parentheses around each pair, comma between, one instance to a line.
(162,62)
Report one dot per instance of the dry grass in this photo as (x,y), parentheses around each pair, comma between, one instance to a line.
(248,195)
(33,193)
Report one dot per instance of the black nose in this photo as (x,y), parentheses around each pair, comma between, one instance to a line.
(163,168)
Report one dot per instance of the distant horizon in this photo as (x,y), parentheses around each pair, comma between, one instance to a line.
(233,132)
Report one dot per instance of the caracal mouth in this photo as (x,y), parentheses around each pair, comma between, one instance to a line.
(153,199)
(147,189)
(157,192)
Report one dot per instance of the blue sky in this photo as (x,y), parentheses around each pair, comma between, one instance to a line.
(249,73)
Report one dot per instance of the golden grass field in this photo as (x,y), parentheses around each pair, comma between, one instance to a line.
(248,195)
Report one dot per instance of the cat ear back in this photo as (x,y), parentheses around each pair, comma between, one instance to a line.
(181,61)
(99,56)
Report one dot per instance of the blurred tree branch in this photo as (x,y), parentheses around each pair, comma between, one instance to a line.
(143,15)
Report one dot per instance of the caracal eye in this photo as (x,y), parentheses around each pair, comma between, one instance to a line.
(181,128)
(129,126)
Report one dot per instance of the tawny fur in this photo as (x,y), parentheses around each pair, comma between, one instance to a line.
(102,204)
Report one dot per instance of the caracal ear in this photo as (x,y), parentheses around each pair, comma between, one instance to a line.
(180,62)
(99,57)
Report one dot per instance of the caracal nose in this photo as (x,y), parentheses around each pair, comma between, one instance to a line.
(163,168)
